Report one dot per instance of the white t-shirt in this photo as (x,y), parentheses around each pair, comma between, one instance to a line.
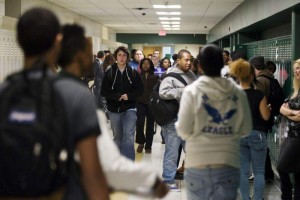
(225,70)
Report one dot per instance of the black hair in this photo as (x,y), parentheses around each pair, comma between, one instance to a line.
(181,52)
(151,70)
(100,54)
(162,61)
(195,62)
(174,56)
(73,41)
(132,53)
(211,60)
(124,49)
(235,55)
(37,29)
(226,52)
(107,51)
(271,66)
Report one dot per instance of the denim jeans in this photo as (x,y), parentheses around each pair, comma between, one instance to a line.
(123,127)
(212,184)
(173,142)
(253,150)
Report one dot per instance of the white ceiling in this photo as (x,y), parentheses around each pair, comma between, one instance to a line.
(121,16)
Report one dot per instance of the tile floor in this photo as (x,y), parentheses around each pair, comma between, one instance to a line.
(155,161)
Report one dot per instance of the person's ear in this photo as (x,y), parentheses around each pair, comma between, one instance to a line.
(200,69)
(58,39)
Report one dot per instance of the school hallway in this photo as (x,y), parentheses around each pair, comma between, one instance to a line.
(272,191)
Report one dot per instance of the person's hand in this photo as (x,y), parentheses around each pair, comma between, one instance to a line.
(161,189)
(286,105)
(295,112)
(123,97)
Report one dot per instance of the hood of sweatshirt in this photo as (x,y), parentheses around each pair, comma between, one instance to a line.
(189,76)
(216,88)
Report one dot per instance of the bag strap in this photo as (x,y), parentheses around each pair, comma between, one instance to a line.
(175,75)
(265,76)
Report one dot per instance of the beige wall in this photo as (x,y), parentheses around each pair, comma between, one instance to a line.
(193,48)
(10,54)
(2,10)
(65,16)
(150,49)
(92,28)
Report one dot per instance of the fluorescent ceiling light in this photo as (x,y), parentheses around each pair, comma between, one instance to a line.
(166,26)
(176,25)
(168,13)
(171,29)
(169,18)
(167,6)
(167,22)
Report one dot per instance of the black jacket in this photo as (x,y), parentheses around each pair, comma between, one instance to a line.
(98,74)
(115,84)
(149,83)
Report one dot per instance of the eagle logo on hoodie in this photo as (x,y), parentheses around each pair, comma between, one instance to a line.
(217,117)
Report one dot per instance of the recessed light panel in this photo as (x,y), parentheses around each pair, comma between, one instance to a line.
(170,18)
(168,13)
(167,6)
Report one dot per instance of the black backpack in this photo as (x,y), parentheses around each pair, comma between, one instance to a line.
(275,98)
(34,155)
(164,111)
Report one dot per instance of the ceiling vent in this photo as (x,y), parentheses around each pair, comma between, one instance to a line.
(139,8)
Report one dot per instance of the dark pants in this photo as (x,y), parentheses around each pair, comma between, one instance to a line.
(287,186)
(269,174)
(179,154)
(144,115)
(289,163)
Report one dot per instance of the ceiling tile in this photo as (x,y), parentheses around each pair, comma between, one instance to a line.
(120,15)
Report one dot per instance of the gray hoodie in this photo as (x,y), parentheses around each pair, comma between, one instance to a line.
(172,88)
(213,115)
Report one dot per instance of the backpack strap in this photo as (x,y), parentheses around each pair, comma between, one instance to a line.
(265,76)
(133,72)
(175,75)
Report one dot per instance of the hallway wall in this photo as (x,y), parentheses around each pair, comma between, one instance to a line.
(1,7)
(248,13)
(10,54)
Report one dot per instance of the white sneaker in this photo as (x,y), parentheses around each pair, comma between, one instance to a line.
(173,187)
